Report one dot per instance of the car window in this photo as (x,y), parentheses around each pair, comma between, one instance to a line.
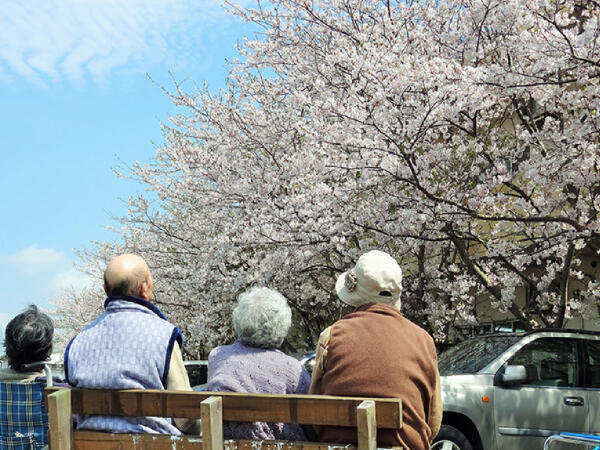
(549,362)
(593,364)
(197,372)
(472,355)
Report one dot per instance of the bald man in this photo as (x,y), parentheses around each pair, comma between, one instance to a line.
(130,346)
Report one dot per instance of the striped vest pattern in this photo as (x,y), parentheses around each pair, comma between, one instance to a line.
(129,346)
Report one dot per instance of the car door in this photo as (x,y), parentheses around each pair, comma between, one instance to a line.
(592,357)
(551,399)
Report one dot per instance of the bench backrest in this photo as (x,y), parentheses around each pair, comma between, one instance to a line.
(213,407)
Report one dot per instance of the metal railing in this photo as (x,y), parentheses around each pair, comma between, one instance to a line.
(587,440)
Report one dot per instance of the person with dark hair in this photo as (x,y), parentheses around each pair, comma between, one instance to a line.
(129,346)
(27,339)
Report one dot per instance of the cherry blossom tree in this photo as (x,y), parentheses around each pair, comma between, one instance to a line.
(460,136)
(73,310)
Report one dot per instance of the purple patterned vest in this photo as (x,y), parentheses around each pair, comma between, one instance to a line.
(129,346)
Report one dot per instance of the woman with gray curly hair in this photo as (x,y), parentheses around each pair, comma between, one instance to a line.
(253,363)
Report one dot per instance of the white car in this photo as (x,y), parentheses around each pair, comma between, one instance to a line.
(512,391)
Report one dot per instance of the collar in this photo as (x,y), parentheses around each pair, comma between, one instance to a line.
(137,300)
(379,307)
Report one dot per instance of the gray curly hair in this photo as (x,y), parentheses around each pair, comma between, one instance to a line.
(262,318)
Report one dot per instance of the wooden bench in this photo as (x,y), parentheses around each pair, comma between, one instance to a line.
(213,407)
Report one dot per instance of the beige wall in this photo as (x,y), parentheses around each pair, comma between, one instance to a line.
(590,265)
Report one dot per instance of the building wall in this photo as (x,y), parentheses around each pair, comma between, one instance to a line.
(490,319)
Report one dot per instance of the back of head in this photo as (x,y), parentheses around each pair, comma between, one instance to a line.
(28,338)
(262,318)
(124,275)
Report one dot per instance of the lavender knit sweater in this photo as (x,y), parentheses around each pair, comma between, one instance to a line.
(239,368)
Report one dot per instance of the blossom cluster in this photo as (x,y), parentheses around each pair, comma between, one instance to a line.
(460,136)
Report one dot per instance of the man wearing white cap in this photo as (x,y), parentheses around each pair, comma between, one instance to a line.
(376,352)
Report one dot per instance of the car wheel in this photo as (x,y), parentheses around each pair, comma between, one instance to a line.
(450,438)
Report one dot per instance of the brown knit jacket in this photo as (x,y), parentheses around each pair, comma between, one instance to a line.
(376,352)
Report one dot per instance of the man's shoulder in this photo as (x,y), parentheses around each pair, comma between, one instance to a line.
(415,329)
(132,315)
(88,328)
(382,315)
(115,325)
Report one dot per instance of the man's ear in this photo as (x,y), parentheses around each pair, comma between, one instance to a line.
(145,290)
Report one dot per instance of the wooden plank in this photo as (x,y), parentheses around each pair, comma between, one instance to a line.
(212,423)
(302,409)
(60,423)
(94,440)
(367,425)
(91,440)
(284,445)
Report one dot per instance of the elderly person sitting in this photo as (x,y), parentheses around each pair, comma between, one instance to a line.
(28,339)
(377,352)
(253,364)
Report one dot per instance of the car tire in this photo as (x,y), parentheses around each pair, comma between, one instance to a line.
(450,438)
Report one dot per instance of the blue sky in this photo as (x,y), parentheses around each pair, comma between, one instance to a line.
(75,102)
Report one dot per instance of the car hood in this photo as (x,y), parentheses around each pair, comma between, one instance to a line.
(465,394)
(458,387)
(476,378)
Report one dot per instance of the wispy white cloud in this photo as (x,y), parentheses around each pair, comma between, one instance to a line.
(52,269)
(71,279)
(70,39)
(32,260)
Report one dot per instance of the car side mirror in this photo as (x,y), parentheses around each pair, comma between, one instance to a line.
(514,375)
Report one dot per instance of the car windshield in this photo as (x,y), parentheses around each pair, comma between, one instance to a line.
(471,356)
